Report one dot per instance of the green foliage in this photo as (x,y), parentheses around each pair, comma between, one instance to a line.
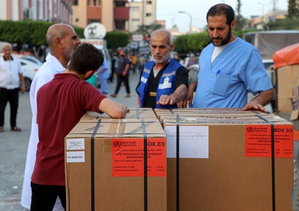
(191,42)
(293,10)
(196,42)
(240,21)
(181,45)
(148,29)
(79,31)
(285,24)
(24,31)
(30,32)
(116,39)
(239,34)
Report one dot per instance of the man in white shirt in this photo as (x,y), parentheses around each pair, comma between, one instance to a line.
(11,73)
(62,41)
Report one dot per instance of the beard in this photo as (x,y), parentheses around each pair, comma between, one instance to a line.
(68,52)
(164,59)
(225,40)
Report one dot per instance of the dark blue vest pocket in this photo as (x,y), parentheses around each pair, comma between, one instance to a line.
(221,84)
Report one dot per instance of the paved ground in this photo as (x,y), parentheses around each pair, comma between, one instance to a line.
(14,147)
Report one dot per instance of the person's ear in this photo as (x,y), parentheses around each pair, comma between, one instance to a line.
(233,24)
(171,47)
(58,42)
(89,73)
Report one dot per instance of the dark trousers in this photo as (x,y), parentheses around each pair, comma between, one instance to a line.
(112,75)
(11,96)
(44,197)
(120,79)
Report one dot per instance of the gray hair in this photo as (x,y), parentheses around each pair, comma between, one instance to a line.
(170,37)
(6,44)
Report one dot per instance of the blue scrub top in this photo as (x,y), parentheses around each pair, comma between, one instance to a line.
(225,82)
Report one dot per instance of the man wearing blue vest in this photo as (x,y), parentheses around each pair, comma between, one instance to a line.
(163,82)
(229,68)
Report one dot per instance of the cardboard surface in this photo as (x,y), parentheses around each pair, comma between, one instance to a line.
(228,179)
(135,113)
(93,179)
(207,112)
(287,87)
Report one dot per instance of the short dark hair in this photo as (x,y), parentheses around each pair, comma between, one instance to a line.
(86,57)
(220,9)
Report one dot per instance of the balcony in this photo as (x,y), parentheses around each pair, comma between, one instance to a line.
(94,12)
(121,13)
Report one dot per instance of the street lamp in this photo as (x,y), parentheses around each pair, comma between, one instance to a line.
(190,19)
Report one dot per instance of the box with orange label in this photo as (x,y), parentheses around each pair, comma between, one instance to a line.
(106,169)
(227,164)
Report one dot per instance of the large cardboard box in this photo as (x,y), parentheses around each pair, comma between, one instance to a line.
(287,81)
(104,166)
(228,165)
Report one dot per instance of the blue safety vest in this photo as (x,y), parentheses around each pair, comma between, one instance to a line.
(166,85)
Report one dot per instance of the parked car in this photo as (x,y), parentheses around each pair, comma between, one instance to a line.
(30,69)
(32,59)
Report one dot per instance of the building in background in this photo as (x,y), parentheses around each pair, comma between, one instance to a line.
(162,22)
(260,22)
(47,10)
(142,12)
(113,14)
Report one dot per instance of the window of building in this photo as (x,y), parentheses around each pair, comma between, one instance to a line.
(148,2)
(135,19)
(120,24)
(77,19)
(148,14)
(93,3)
(89,21)
(119,3)
(135,8)
(75,2)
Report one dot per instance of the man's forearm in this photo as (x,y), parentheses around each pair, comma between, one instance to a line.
(180,93)
(264,97)
(126,68)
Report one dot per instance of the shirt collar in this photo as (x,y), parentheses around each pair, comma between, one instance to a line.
(6,59)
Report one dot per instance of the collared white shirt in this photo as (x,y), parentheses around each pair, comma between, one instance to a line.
(9,73)
(44,74)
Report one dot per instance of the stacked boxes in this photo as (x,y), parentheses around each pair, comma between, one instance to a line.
(105,164)
(225,160)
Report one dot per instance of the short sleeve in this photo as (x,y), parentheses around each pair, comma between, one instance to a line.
(181,77)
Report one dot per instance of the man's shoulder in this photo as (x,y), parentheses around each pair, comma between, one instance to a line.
(244,44)
(15,59)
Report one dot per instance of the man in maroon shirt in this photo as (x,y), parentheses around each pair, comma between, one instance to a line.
(60,105)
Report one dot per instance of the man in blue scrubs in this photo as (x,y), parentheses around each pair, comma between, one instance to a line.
(229,68)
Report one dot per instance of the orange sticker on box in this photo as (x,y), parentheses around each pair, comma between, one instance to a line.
(128,157)
(258,141)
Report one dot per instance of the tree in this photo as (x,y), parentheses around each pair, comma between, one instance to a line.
(116,39)
(31,33)
(148,29)
(293,11)
(240,21)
